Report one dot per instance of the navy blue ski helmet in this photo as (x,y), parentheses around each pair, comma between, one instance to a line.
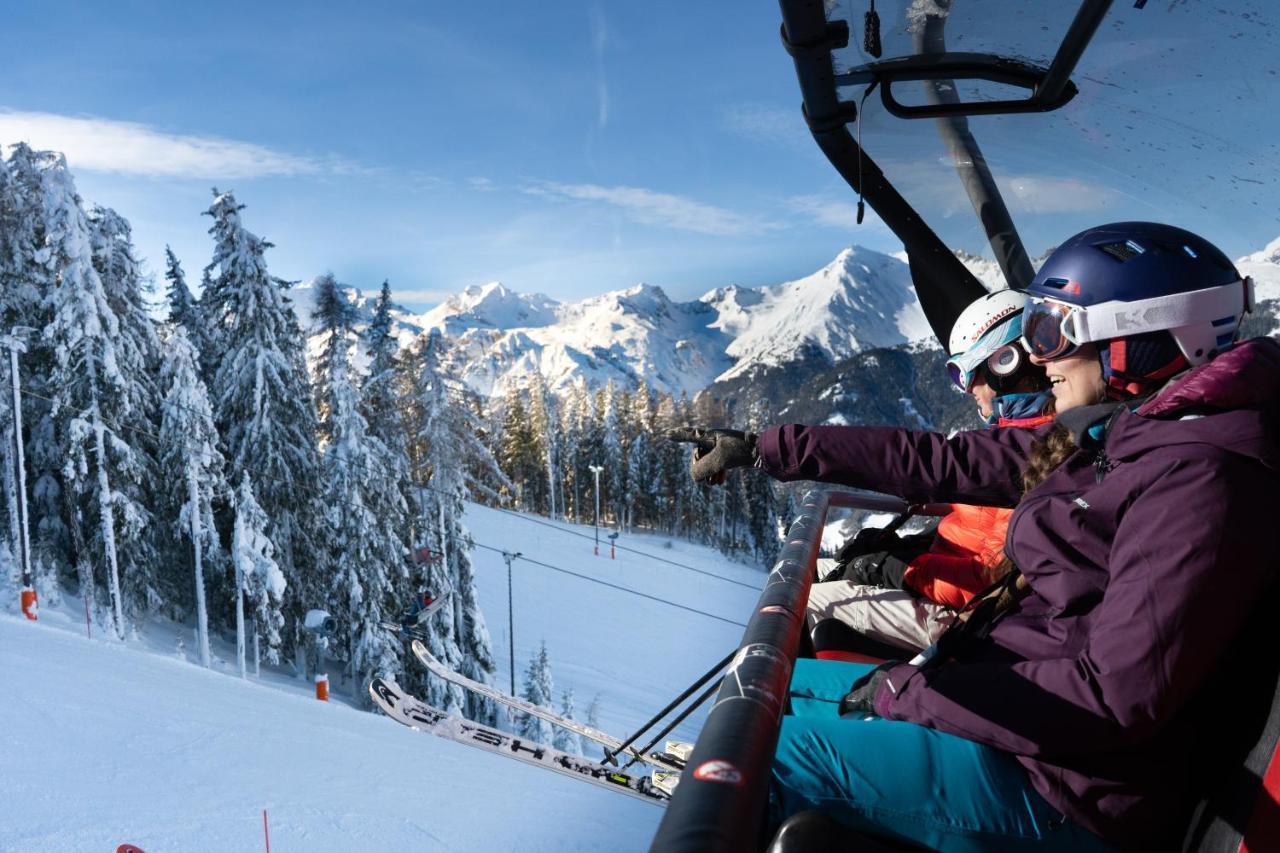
(1159,296)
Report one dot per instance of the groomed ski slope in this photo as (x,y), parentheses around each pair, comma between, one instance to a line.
(105,743)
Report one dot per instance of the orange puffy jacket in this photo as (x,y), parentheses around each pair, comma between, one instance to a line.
(968,547)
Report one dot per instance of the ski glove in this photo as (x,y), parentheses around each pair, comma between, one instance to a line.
(861,699)
(877,558)
(716,451)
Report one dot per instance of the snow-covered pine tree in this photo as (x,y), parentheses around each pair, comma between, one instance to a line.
(262,406)
(593,712)
(138,362)
(539,689)
(184,308)
(570,447)
(380,392)
(28,273)
(190,473)
(566,740)
(446,447)
(366,512)
(334,319)
(612,456)
(761,503)
(519,453)
(543,420)
(259,582)
(92,394)
(641,467)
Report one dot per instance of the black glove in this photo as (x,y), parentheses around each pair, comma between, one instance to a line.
(716,451)
(876,558)
(861,699)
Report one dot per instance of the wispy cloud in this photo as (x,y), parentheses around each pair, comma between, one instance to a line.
(932,187)
(832,213)
(599,41)
(123,147)
(660,209)
(769,124)
(1039,194)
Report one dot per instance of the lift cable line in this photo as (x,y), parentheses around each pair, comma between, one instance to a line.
(636,592)
(534,520)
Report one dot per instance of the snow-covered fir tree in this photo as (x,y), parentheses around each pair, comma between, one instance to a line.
(593,712)
(446,446)
(519,452)
(184,308)
(138,362)
(380,392)
(539,688)
(259,582)
(543,419)
(334,319)
(262,406)
(93,395)
(367,515)
(28,274)
(612,456)
(565,739)
(190,469)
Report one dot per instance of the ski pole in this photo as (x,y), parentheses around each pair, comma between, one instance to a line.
(610,756)
(679,718)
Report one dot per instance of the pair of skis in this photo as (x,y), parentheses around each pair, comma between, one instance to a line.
(414,713)
(664,760)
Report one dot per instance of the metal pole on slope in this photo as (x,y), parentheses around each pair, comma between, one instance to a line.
(597,469)
(16,345)
(511,619)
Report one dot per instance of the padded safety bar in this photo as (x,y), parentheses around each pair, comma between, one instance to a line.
(720,802)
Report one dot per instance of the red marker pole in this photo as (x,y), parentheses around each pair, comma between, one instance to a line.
(266,836)
(87,632)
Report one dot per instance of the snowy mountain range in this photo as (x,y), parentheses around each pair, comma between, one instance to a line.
(861,300)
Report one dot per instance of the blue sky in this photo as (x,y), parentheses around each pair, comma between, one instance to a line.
(563,147)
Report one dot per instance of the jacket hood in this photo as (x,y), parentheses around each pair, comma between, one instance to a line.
(1231,402)
(1246,376)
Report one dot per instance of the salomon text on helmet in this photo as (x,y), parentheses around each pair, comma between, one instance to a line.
(1161,297)
(985,336)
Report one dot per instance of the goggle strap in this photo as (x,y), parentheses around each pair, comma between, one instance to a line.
(1116,319)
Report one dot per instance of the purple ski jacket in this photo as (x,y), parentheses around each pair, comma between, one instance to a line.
(1144,564)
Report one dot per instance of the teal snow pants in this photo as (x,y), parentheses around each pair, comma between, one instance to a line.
(906,781)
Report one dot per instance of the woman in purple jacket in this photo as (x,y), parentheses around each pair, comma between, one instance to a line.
(1072,723)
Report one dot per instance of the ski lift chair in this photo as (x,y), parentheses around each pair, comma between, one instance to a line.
(721,801)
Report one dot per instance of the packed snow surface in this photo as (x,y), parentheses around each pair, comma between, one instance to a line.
(108,742)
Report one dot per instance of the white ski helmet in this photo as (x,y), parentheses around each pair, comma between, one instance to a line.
(987,333)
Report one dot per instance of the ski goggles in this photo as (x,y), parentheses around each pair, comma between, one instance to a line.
(1049,330)
(1053,330)
(964,369)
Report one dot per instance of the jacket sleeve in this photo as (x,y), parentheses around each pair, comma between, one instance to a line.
(975,466)
(1187,559)
(948,579)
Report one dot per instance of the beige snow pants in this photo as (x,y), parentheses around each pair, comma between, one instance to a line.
(892,616)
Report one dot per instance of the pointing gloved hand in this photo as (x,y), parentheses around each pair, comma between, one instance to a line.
(716,451)
(861,699)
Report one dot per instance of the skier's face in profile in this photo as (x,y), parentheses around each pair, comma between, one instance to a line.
(983,394)
(1076,379)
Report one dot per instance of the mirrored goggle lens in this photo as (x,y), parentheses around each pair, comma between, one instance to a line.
(1042,330)
(959,376)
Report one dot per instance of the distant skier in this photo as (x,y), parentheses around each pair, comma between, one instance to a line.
(420,610)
